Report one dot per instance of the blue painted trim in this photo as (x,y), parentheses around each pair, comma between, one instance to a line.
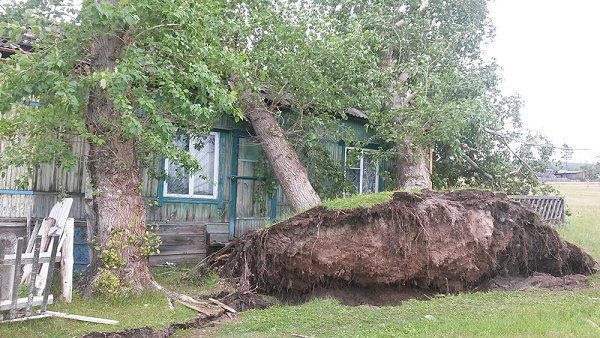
(273,214)
(16,192)
(250,178)
(235,146)
(161,184)
(189,200)
(221,166)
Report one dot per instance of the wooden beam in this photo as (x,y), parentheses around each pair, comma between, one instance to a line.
(22,302)
(66,263)
(28,258)
(83,318)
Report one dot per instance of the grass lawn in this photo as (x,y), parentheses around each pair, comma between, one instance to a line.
(148,310)
(501,314)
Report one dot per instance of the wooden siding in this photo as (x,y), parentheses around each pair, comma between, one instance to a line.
(181,242)
(15,206)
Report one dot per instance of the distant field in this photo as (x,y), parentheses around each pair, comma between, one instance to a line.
(583,226)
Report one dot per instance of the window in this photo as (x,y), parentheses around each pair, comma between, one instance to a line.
(362,169)
(202,184)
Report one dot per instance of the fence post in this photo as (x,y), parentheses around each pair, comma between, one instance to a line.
(8,246)
(66,263)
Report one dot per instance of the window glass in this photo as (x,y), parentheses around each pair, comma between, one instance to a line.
(203,183)
(362,170)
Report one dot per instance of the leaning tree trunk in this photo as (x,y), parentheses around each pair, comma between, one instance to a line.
(290,172)
(411,166)
(120,227)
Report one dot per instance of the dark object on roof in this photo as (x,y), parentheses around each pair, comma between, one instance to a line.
(357,114)
(26,44)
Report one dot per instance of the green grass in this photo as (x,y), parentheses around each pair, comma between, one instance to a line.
(534,313)
(583,226)
(147,310)
(358,201)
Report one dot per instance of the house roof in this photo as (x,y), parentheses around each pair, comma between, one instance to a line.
(357,113)
(8,48)
(562,172)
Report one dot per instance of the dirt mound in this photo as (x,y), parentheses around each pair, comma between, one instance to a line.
(537,281)
(447,242)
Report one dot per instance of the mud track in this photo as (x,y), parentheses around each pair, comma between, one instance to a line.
(437,241)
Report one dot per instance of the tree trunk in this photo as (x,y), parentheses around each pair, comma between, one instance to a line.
(290,172)
(120,227)
(411,166)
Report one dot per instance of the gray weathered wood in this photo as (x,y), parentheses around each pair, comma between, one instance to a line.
(66,263)
(217,228)
(43,231)
(60,212)
(17,277)
(28,258)
(22,303)
(83,318)
(8,245)
(50,273)
(34,267)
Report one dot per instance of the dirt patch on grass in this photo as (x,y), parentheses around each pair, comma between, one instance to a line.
(537,281)
(440,242)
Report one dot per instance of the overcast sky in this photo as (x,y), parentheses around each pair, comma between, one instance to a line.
(550,54)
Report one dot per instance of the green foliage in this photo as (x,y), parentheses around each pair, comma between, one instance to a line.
(170,77)
(592,171)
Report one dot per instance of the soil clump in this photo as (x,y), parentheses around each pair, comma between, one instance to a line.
(442,242)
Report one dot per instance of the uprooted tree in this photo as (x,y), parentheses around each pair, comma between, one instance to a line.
(444,242)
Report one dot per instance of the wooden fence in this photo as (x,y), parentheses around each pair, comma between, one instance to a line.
(11,266)
(551,208)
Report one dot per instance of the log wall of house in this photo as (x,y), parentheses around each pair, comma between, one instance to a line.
(181,224)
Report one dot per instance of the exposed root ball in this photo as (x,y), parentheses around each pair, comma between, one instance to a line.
(448,242)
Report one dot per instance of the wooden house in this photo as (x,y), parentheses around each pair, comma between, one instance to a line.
(192,212)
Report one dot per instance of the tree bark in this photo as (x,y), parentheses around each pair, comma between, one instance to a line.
(412,171)
(290,172)
(120,223)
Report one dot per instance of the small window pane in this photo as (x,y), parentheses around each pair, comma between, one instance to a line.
(204,152)
(369,174)
(353,175)
(178,181)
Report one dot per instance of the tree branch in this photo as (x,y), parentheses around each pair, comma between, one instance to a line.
(512,151)
(155,27)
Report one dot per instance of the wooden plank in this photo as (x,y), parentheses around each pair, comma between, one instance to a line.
(22,303)
(34,270)
(17,277)
(22,319)
(66,263)
(48,277)
(28,258)
(178,258)
(83,318)
(175,240)
(8,244)
(217,238)
(181,229)
(33,235)
(217,228)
